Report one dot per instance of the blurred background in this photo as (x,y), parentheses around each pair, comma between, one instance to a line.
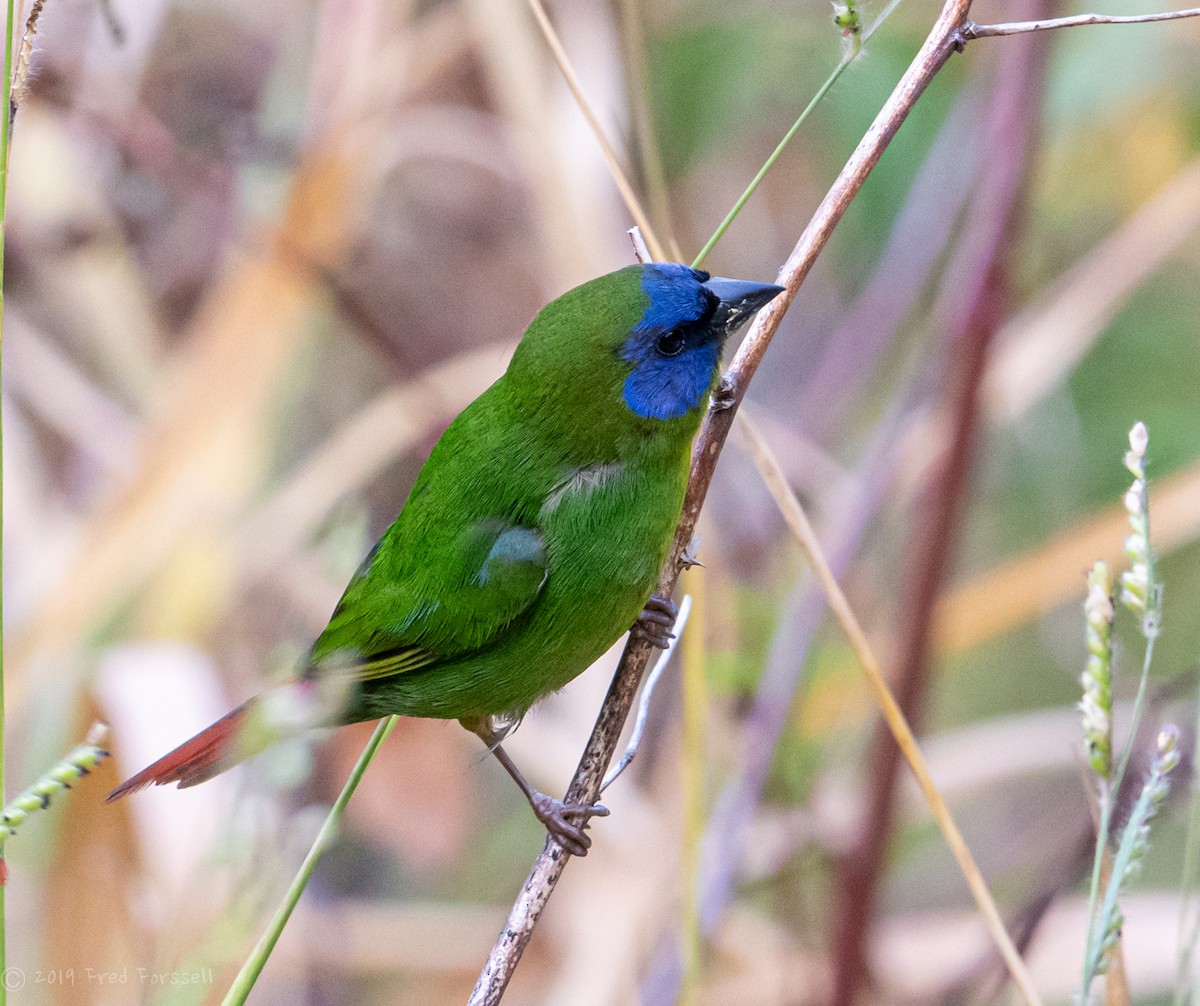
(259,255)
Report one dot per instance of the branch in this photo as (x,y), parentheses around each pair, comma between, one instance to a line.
(971,30)
(640,250)
(643,713)
(942,42)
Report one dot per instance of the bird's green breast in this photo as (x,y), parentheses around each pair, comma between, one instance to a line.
(606,527)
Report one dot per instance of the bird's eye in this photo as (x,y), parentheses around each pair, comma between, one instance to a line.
(670,344)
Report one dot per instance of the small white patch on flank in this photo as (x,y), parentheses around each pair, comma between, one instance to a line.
(582,480)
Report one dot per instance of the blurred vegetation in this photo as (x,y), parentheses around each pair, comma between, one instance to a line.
(260,255)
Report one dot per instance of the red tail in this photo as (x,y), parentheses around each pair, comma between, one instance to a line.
(209,753)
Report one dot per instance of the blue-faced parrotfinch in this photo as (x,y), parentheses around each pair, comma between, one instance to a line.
(531,540)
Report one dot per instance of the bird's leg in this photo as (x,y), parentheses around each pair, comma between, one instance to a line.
(567,822)
(655,622)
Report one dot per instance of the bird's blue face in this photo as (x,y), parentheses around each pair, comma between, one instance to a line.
(673,348)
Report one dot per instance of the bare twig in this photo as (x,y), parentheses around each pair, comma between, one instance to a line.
(971,30)
(937,49)
(638,239)
(20,81)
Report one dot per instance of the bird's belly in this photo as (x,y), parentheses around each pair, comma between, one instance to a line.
(605,551)
(608,542)
(604,548)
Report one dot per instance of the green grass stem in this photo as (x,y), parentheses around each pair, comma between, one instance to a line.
(849,57)
(250,971)
(1133,845)
(1108,792)
(5,136)
(770,162)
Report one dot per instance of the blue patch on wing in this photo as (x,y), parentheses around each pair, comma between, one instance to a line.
(518,548)
(667,387)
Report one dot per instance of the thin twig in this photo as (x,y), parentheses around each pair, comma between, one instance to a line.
(638,239)
(937,49)
(20,79)
(614,166)
(652,679)
(971,30)
(802,530)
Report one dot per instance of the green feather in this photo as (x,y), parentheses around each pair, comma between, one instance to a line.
(532,537)
(534,533)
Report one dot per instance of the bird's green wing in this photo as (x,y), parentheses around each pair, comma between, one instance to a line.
(402,613)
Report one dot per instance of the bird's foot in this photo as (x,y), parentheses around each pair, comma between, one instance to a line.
(567,822)
(655,622)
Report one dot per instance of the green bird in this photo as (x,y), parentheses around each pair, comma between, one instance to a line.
(531,540)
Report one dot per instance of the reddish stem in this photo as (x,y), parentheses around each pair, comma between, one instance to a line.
(977,298)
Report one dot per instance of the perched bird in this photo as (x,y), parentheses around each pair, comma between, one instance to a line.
(531,540)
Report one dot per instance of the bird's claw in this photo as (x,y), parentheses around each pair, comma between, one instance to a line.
(567,822)
(724,395)
(655,622)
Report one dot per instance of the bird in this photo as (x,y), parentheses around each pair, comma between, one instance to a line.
(530,541)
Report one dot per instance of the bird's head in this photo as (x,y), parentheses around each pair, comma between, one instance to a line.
(644,341)
(674,348)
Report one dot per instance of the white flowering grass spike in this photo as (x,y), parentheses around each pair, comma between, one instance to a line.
(1096,704)
(1135,457)
(1138,590)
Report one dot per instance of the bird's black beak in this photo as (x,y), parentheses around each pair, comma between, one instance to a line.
(739,300)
